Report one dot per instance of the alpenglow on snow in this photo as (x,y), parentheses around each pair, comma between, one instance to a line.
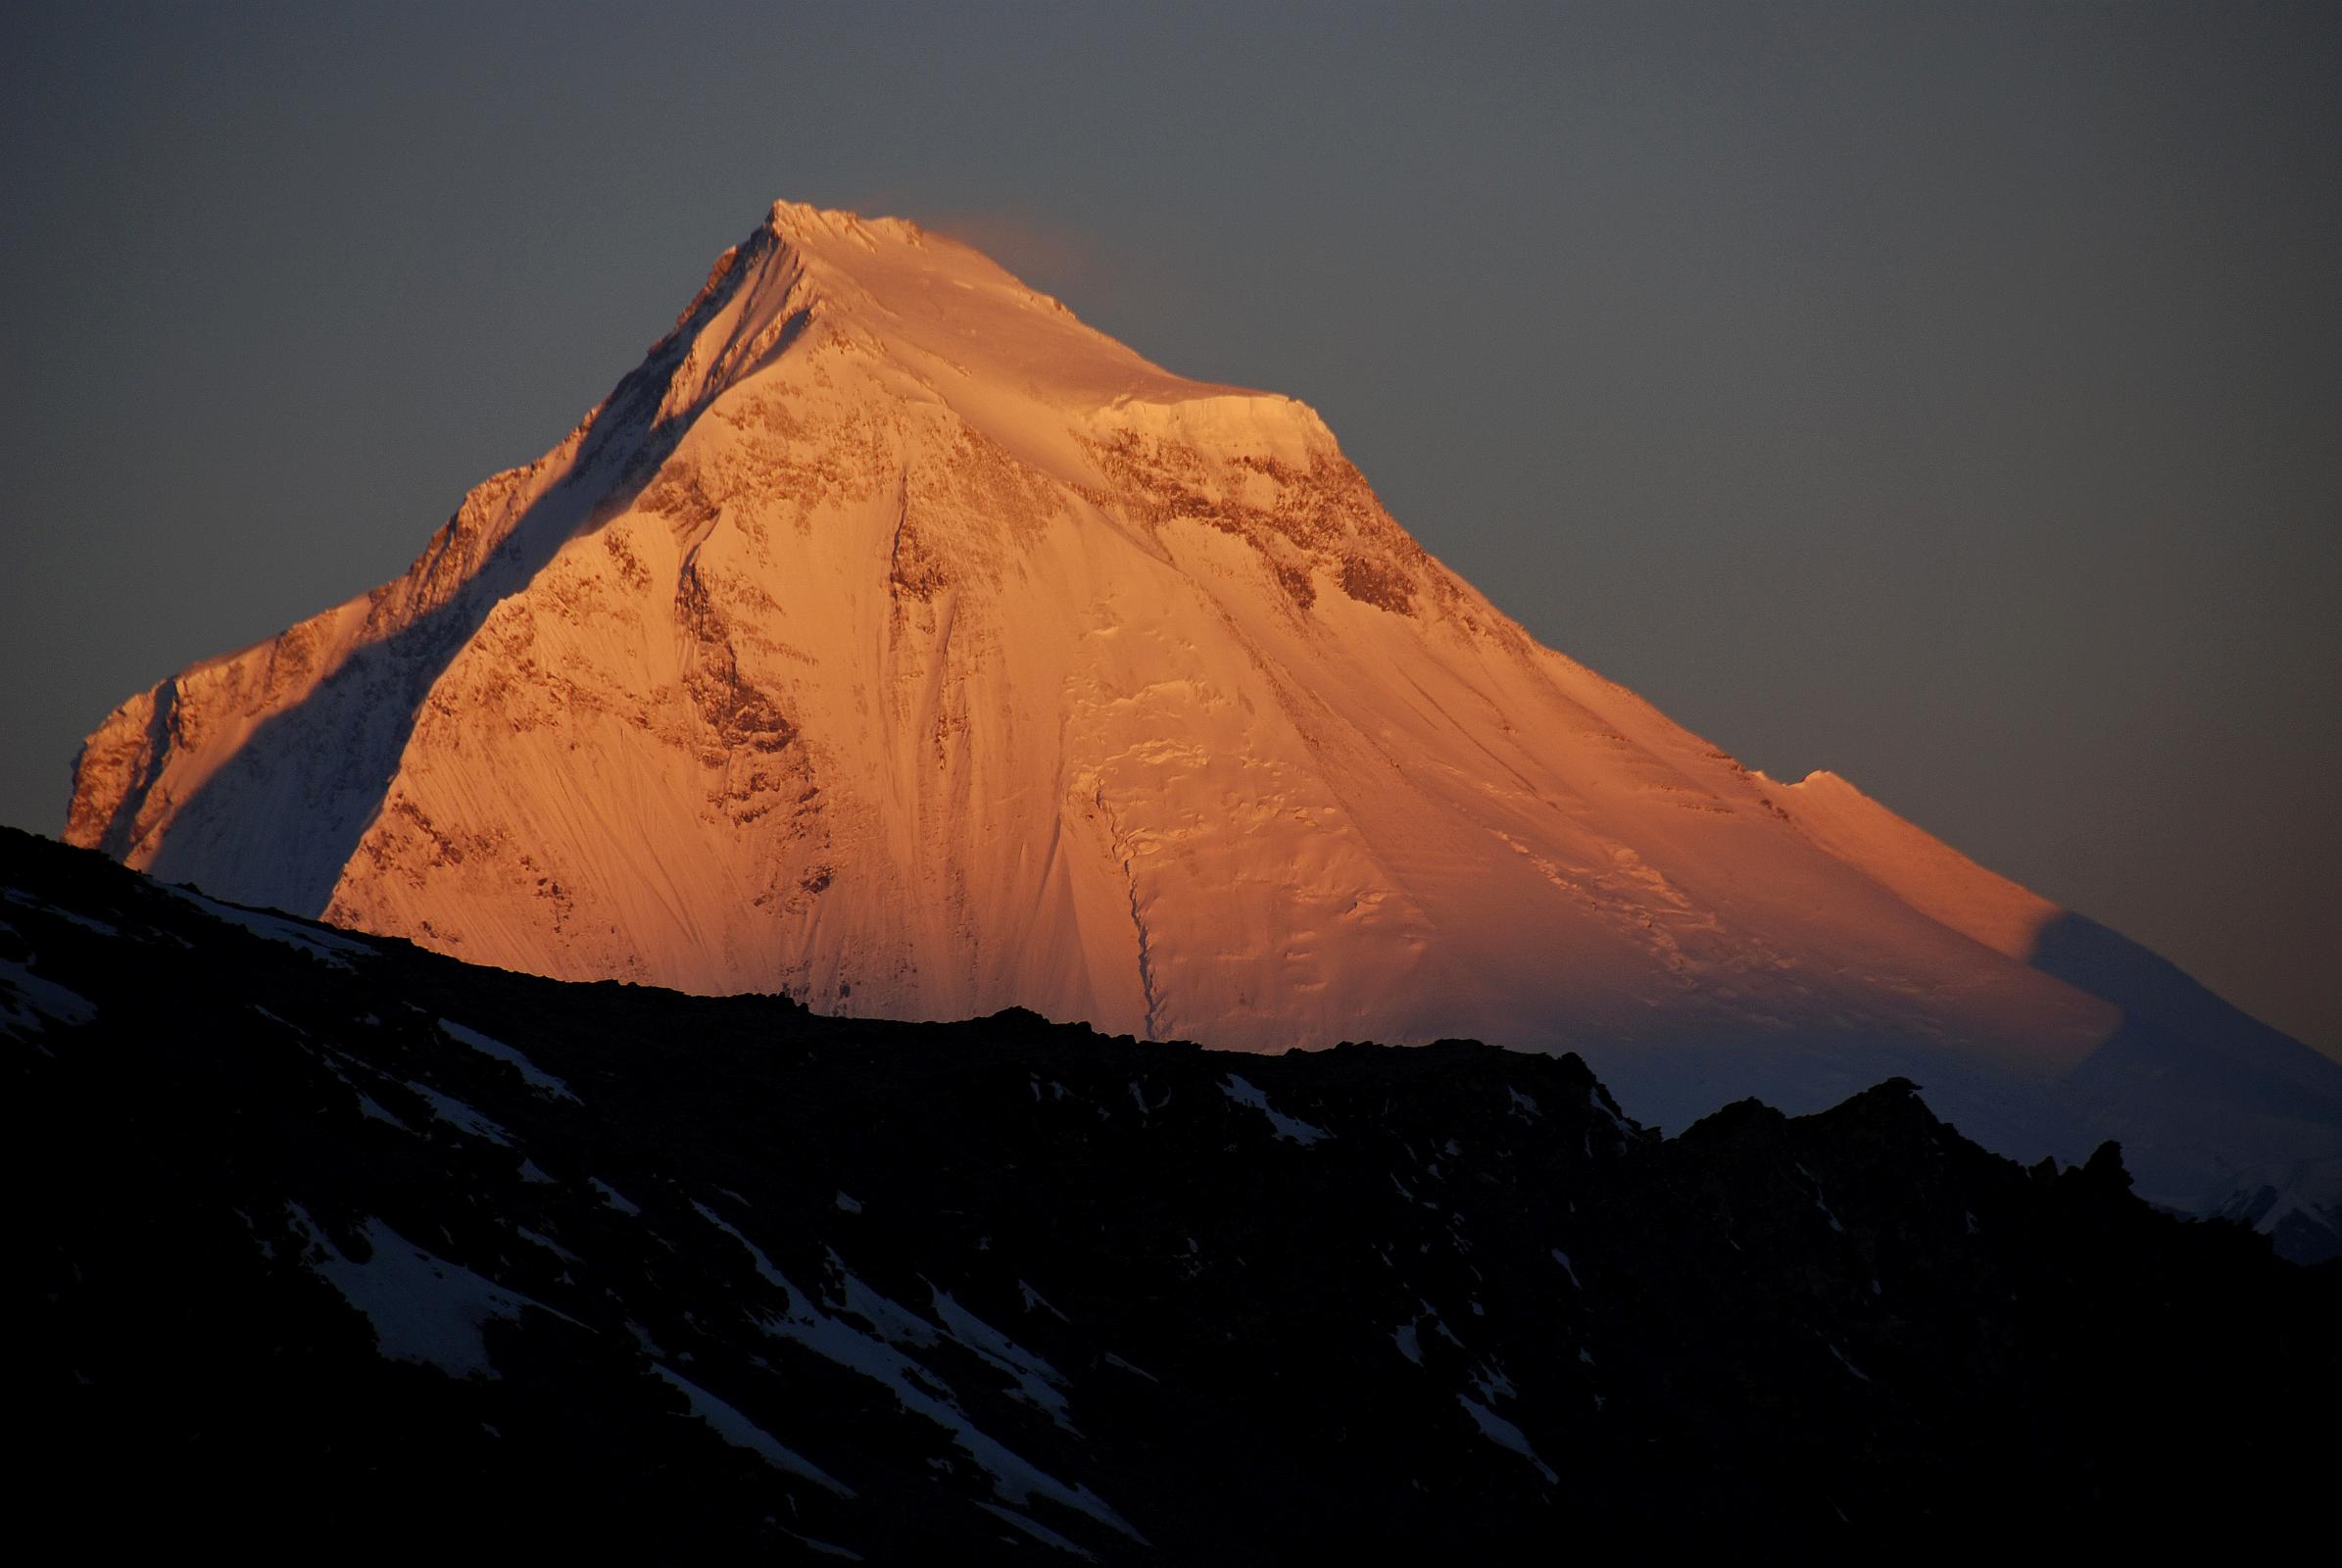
(892,639)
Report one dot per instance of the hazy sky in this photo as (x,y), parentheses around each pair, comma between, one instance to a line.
(1947,396)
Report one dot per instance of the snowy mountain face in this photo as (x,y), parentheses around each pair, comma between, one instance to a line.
(891,639)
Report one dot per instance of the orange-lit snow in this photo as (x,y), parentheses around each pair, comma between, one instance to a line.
(893,639)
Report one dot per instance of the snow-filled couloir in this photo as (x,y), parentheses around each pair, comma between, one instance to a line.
(893,639)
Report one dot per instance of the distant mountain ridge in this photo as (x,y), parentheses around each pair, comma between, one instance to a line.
(894,639)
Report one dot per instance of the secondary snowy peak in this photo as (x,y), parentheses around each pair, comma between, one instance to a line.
(890,638)
(1916,866)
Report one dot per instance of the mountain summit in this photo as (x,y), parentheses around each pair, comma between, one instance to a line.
(892,639)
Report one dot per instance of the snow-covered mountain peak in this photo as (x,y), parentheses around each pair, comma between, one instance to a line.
(975,336)
(890,638)
(902,321)
(803,219)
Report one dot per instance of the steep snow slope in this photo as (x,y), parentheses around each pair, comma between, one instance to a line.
(893,639)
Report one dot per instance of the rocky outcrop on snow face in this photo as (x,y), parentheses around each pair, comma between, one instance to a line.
(340,1241)
(894,639)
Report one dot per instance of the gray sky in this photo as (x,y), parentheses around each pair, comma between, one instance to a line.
(1947,396)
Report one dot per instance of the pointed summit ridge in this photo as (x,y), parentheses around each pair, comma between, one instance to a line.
(890,638)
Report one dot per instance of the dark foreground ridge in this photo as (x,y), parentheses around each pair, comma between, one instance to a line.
(329,1246)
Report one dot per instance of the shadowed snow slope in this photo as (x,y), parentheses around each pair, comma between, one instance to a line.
(891,639)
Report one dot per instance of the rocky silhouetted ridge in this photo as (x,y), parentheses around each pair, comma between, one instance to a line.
(327,1243)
